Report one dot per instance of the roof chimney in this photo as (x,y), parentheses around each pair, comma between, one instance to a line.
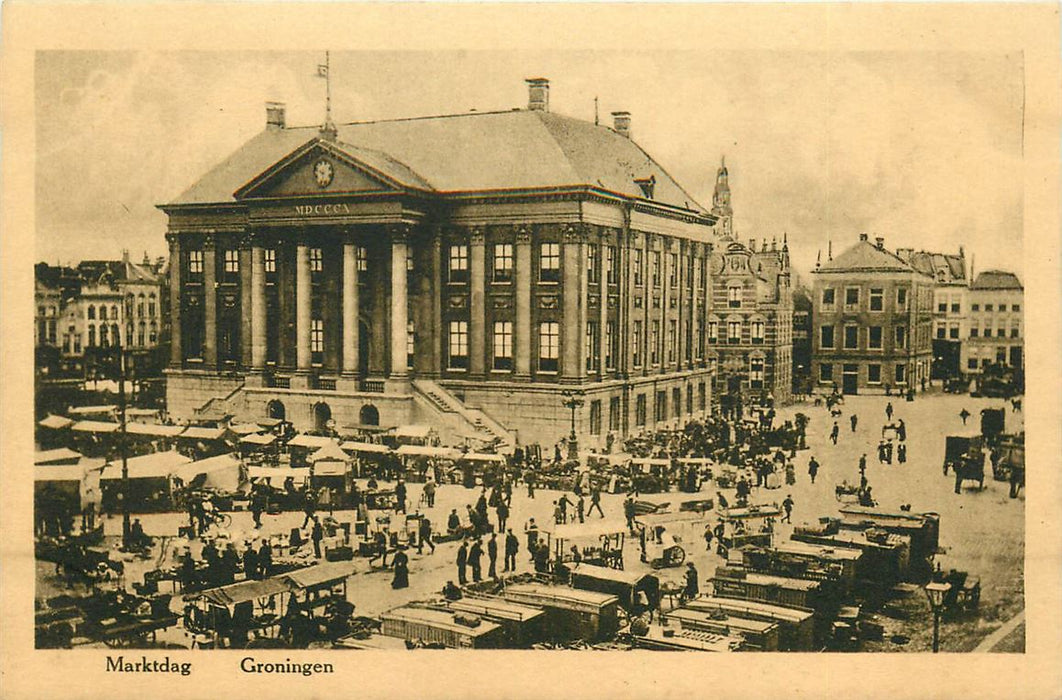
(125,256)
(752,244)
(275,115)
(862,236)
(621,123)
(538,94)
(904,254)
(879,242)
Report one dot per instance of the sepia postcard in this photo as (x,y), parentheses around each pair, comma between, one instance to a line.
(530,350)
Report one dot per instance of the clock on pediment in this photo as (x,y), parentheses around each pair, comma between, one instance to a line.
(735,263)
(323,172)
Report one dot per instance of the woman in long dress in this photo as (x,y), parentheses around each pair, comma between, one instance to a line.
(400,562)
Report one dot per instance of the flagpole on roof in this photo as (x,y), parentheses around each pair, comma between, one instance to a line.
(324,71)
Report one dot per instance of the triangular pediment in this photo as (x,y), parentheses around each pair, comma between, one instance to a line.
(321,167)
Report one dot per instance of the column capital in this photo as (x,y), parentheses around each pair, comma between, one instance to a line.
(245,240)
(575,233)
(173,239)
(400,232)
(476,235)
(523,234)
(209,242)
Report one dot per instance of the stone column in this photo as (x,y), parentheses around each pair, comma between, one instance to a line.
(210,304)
(176,269)
(246,301)
(302,307)
(350,308)
(258,308)
(477,305)
(602,322)
(523,329)
(399,310)
(573,289)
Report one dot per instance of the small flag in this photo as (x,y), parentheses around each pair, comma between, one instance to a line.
(322,70)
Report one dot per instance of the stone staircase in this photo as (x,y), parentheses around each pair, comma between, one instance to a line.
(453,411)
(221,403)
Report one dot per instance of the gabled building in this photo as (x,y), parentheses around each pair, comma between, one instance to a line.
(996,322)
(465,270)
(872,319)
(950,306)
(750,327)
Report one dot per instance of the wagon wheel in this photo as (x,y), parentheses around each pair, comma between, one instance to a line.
(675,556)
(623,617)
(223,520)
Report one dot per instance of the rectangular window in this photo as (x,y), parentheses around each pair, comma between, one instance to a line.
(713,331)
(1014,330)
(548,346)
(549,262)
(1015,307)
(702,397)
(654,343)
(316,341)
(826,337)
(733,297)
(610,345)
(457,345)
(672,270)
(595,417)
(829,298)
(874,374)
(875,342)
(503,262)
(592,269)
(757,332)
(195,262)
(656,269)
(636,344)
(363,259)
(503,345)
(901,299)
(941,330)
(975,307)
(756,373)
(988,307)
(676,401)
(901,337)
(851,298)
(877,299)
(316,260)
(672,340)
(901,374)
(636,255)
(232,262)
(411,344)
(639,410)
(458,263)
(971,363)
(974,331)
(733,332)
(825,373)
(953,331)
(611,265)
(955,307)
(851,337)
(614,413)
(592,356)
(942,306)
(700,338)
(660,408)
(270,261)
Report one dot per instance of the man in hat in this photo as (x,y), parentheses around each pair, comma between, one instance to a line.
(265,559)
(512,546)
(492,556)
(462,562)
(692,588)
(250,561)
(475,554)
(316,535)
(424,535)
(787,504)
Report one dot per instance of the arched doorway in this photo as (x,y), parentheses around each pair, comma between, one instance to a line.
(369,415)
(322,415)
(275,409)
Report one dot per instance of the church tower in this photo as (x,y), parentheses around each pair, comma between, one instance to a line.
(721,201)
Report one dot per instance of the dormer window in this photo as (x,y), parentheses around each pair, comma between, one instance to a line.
(647,185)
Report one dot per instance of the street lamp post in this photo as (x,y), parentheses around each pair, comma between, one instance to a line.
(936,591)
(573,402)
(122,444)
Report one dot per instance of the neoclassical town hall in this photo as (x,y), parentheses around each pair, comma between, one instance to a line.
(464,271)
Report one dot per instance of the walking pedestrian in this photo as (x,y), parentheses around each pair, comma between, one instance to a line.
(708,537)
(595,501)
(309,507)
(429,492)
(503,515)
(462,563)
(317,534)
(400,562)
(512,546)
(813,468)
(901,453)
(964,414)
(257,507)
(692,588)
(863,465)
(834,432)
(901,430)
(424,535)
(475,556)
(888,411)
(492,555)
(400,497)
(787,504)
(265,560)
(628,513)
(529,479)
(854,419)
(580,507)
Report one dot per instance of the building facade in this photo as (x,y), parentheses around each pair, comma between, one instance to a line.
(950,306)
(872,319)
(802,330)
(463,270)
(996,333)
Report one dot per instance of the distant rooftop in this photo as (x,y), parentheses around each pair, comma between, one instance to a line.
(996,279)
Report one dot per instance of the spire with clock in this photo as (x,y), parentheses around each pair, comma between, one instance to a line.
(721,201)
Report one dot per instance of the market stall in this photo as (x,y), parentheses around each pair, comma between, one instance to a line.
(150,485)
(599,543)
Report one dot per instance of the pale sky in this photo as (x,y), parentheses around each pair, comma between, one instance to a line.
(924,149)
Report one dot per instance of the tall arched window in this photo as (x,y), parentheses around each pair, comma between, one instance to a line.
(114,312)
(92,312)
(103,335)
(154,337)
(92,336)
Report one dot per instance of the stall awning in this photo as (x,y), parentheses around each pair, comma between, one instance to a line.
(58,472)
(59,456)
(152,466)
(320,574)
(413,431)
(153,429)
(55,422)
(269,423)
(141,412)
(570,531)
(245,428)
(197,432)
(371,447)
(206,466)
(92,410)
(236,593)
(329,453)
(483,457)
(314,442)
(277,474)
(258,439)
(604,573)
(94,426)
(427,451)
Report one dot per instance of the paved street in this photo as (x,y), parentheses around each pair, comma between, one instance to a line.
(982,530)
